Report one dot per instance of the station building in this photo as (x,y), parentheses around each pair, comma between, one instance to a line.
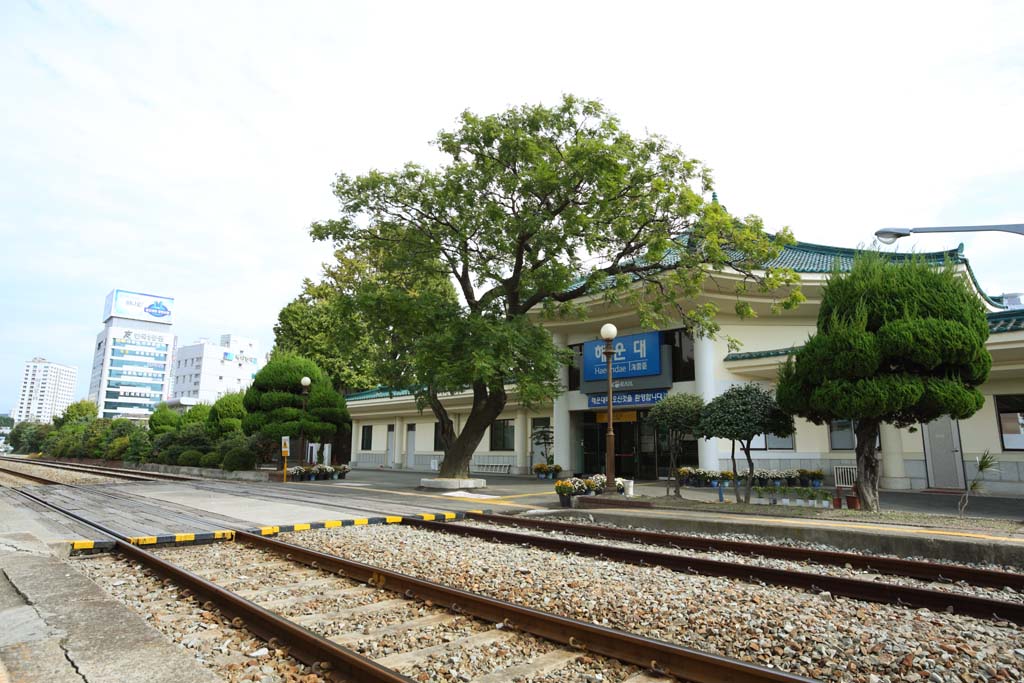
(390,431)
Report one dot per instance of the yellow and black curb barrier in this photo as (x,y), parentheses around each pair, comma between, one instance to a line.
(361,521)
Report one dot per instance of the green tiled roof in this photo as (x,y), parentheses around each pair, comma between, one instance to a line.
(379,392)
(804,257)
(1006,321)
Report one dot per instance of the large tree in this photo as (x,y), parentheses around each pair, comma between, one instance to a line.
(678,416)
(898,341)
(534,209)
(740,414)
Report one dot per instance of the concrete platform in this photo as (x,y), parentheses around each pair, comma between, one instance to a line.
(60,627)
(899,540)
(452,484)
(20,518)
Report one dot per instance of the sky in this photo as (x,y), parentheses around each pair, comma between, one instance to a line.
(183,148)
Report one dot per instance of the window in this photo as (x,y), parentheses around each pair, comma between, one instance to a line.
(438,444)
(770,442)
(682,355)
(367,440)
(503,436)
(841,435)
(574,367)
(1011,421)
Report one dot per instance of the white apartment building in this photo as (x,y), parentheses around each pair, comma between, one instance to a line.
(47,389)
(205,371)
(131,365)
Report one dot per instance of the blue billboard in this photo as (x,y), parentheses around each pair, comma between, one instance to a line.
(625,399)
(636,355)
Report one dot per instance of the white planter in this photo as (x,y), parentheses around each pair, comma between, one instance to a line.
(758,501)
(799,502)
(826,504)
(784,501)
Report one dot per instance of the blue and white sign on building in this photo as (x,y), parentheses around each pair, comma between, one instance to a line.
(627,399)
(636,355)
(138,306)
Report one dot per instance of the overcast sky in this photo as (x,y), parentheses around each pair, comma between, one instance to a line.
(183,148)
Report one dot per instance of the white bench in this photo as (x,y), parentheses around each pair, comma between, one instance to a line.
(845,475)
(493,468)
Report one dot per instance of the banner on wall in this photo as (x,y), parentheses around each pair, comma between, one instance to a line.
(627,399)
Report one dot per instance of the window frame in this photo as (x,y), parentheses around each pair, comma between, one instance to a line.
(766,447)
(999,418)
(366,438)
(506,433)
(853,431)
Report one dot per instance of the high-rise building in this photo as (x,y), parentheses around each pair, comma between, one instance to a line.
(131,365)
(47,389)
(206,371)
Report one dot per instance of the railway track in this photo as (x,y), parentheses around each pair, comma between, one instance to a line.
(486,620)
(113,472)
(25,476)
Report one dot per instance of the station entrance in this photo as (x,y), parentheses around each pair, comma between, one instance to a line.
(641,452)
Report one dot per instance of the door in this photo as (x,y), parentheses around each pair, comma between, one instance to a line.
(942,453)
(538,441)
(410,445)
(390,453)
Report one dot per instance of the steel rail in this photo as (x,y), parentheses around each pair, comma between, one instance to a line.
(115,472)
(303,644)
(915,569)
(30,477)
(660,656)
(871,591)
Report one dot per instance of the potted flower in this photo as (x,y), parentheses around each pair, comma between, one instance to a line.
(579,486)
(341,470)
(591,486)
(817,477)
(775,477)
(620,485)
(837,500)
(852,501)
(784,495)
(541,470)
(599,480)
(684,474)
(556,471)
(295,473)
(565,490)
(824,497)
(791,476)
(725,476)
(759,492)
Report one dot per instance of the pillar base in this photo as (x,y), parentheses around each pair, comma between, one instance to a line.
(894,483)
(453,484)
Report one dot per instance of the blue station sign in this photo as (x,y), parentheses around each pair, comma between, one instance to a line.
(636,355)
(627,399)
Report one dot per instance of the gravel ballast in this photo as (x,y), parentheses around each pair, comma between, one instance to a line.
(58,475)
(816,635)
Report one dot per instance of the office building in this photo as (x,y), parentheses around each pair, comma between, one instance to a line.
(132,358)
(205,371)
(47,389)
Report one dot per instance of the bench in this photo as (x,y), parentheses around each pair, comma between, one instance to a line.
(493,468)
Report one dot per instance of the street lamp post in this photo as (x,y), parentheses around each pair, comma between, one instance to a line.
(608,333)
(890,235)
(305,382)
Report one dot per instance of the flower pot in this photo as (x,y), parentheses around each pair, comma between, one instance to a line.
(565,500)
(591,492)
(777,482)
(551,475)
(816,483)
(853,502)
(826,504)
(785,501)
(837,503)
(541,475)
(714,483)
(725,484)
(798,502)
(341,475)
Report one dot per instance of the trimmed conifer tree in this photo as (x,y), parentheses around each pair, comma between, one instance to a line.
(900,342)
(276,407)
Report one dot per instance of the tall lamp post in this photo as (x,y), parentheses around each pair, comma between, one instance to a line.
(890,235)
(608,333)
(305,382)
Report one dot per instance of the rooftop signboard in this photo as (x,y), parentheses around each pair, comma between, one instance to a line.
(138,306)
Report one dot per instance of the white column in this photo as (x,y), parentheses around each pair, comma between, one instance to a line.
(522,433)
(356,431)
(560,415)
(400,443)
(704,370)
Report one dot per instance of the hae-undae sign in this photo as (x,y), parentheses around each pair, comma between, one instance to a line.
(138,306)
(636,355)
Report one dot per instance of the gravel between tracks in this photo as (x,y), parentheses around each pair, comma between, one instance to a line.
(832,639)
(58,475)
(1007,594)
(314,597)
(217,645)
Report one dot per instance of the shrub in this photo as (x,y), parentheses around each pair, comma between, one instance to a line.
(190,459)
(239,459)
(117,448)
(212,460)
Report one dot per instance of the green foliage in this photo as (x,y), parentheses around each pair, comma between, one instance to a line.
(78,412)
(28,437)
(190,458)
(227,413)
(678,412)
(117,448)
(742,412)
(199,413)
(534,208)
(211,459)
(96,439)
(899,342)
(6,421)
(140,446)
(276,406)
(163,420)
(164,451)
(239,459)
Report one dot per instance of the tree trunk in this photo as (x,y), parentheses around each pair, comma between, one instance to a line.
(675,440)
(443,419)
(487,406)
(750,472)
(867,464)
(735,472)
